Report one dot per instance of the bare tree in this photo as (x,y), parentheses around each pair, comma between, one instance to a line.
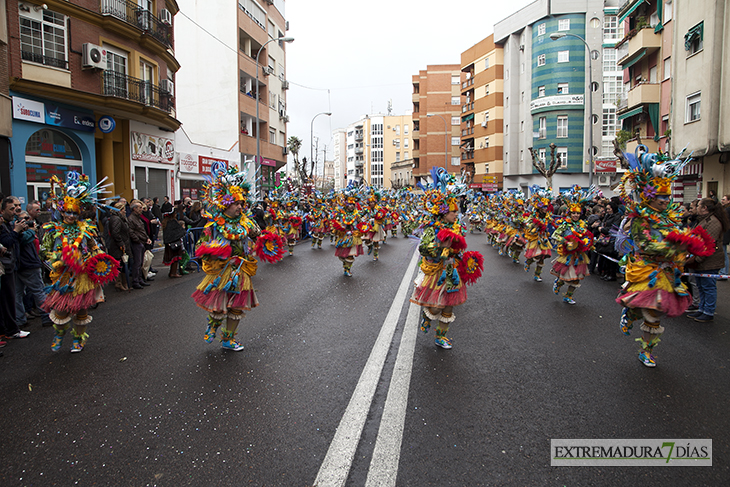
(539,164)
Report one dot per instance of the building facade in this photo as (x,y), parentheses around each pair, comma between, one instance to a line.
(436,120)
(104,105)
(397,150)
(700,115)
(545,85)
(482,96)
(339,157)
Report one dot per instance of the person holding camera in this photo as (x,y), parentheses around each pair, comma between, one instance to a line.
(11,230)
(28,274)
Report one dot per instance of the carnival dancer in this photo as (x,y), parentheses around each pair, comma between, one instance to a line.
(79,267)
(374,215)
(516,227)
(537,231)
(655,247)
(445,269)
(317,220)
(347,228)
(573,240)
(291,222)
(226,291)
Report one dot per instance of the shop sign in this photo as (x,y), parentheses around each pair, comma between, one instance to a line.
(188,163)
(107,124)
(268,162)
(204,163)
(151,148)
(555,101)
(489,187)
(606,165)
(72,119)
(30,110)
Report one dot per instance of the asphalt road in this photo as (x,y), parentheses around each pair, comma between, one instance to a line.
(149,403)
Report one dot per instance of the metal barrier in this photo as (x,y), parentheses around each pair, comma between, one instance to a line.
(189,242)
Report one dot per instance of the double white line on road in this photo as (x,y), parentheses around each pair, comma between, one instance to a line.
(383,468)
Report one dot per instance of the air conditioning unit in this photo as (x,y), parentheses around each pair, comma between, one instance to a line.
(285,85)
(268,70)
(285,150)
(604,180)
(166,86)
(166,16)
(286,118)
(93,56)
(484,124)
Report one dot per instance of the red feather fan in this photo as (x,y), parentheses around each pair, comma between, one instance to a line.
(470,267)
(457,241)
(270,247)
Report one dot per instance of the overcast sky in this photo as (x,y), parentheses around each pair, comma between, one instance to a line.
(365,53)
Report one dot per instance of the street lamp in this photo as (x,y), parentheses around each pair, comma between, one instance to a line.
(446,139)
(257,163)
(311,140)
(559,35)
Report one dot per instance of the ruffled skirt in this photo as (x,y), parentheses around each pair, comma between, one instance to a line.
(432,295)
(573,267)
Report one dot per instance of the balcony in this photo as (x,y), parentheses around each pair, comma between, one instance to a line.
(118,85)
(131,13)
(358,150)
(631,145)
(45,60)
(642,44)
(358,135)
(643,94)
(467,108)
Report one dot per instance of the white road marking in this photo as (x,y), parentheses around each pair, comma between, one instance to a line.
(384,464)
(336,465)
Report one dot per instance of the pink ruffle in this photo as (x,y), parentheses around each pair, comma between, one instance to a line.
(219,301)
(438,297)
(536,252)
(671,304)
(569,272)
(353,251)
(71,304)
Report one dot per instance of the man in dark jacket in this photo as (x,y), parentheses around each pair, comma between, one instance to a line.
(11,229)
(138,236)
(725,201)
(28,274)
(166,206)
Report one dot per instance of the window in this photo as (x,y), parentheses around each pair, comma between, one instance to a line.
(612,89)
(405,129)
(455,141)
(541,153)
(667,68)
(541,91)
(522,125)
(397,130)
(486,142)
(455,80)
(486,89)
(541,60)
(562,152)
(456,100)
(406,155)
(396,142)
(43,38)
(610,28)
(563,88)
(610,124)
(563,56)
(377,142)
(397,157)
(542,128)
(455,120)
(564,24)
(609,59)
(272,136)
(541,29)
(667,11)
(693,39)
(693,108)
(486,63)
(456,161)
(405,143)
(562,127)
(377,129)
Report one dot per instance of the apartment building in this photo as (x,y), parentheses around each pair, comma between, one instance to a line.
(91,83)
(545,89)
(397,150)
(645,56)
(436,120)
(482,95)
(700,115)
(254,76)
(339,157)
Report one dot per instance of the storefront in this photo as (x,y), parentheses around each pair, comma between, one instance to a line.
(153,161)
(48,140)
(194,170)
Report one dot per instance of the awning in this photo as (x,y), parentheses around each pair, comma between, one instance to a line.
(467,118)
(695,32)
(630,11)
(631,113)
(635,58)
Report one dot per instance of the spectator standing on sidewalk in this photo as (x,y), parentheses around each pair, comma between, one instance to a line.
(714,220)
(11,229)
(28,274)
(725,201)
(138,236)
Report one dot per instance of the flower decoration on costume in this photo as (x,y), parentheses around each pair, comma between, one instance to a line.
(76,192)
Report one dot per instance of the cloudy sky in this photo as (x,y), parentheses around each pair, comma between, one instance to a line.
(350,58)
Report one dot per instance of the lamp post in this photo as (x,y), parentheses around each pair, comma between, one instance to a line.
(311,140)
(446,139)
(559,35)
(257,162)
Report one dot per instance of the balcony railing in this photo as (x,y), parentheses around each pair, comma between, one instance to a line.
(45,60)
(122,86)
(131,13)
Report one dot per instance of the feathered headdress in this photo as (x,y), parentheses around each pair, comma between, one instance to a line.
(224,187)
(649,175)
(540,197)
(577,197)
(441,198)
(76,192)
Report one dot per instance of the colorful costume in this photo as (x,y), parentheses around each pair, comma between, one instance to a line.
(537,231)
(348,230)
(375,215)
(226,291)
(445,268)
(655,248)
(573,240)
(79,267)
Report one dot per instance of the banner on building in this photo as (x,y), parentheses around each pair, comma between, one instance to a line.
(188,163)
(605,165)
(151,148)
(204,163)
